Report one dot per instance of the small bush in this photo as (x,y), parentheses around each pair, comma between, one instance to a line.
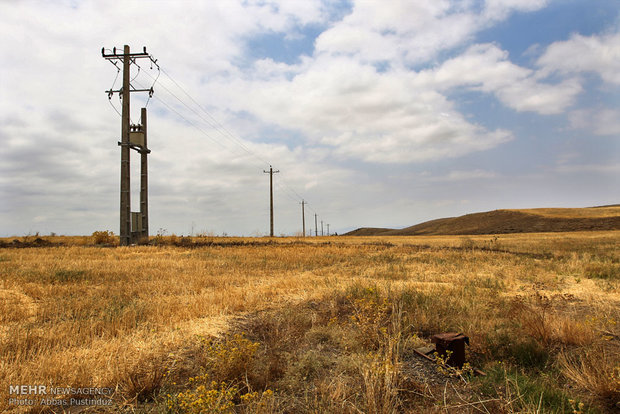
(103,237)
(231,358)
(595,369)
(214,397)
(142,380)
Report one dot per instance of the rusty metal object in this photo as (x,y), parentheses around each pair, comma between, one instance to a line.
(455,344)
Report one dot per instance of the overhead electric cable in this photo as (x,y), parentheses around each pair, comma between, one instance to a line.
(217,123)
(212,122)
(219,127)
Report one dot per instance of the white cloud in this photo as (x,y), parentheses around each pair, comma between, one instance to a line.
(396,30)
(599,121)
(361,113)
(597,53)
(500,9)
(463,175)
(413,32)
(486,67)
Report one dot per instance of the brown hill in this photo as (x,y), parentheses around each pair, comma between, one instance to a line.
(511,221)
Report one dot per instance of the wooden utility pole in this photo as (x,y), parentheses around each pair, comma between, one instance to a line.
(303,218)
(271,172)
(321,227)
(316,228)
(139,220)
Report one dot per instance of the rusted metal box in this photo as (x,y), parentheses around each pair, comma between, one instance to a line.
(453,342)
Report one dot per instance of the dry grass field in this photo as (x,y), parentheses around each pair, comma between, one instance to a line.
(317,324)
(592,212)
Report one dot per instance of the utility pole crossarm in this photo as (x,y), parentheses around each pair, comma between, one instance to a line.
(132,89)
(131,56)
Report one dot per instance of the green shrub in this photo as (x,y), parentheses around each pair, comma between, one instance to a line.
(519,392)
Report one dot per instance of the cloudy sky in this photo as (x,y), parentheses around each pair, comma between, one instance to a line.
(380,113)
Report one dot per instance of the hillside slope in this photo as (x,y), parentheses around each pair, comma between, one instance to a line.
(511,221)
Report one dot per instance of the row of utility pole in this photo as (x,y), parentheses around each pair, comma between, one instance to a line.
(271,172)
(134,225)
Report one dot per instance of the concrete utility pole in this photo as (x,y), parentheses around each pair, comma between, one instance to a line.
(132,137)
(144,181)
(321,227)
(125,230)
(316,228)
(303,218)
(328,229)
(271,172)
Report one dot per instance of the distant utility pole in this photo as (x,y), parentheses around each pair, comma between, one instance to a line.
(321,227)
(328,229)
(316,227)
(271,172)
(303,218)
(132,225)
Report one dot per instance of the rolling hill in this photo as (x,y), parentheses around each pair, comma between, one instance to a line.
(538,220)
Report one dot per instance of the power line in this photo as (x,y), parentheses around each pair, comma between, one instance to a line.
(217,125)
(229,135)
(201,117)
(212,122)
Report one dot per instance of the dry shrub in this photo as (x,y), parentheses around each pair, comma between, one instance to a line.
(540,321)
(224,387)
(381,372)
(103,237)
(380,375)
(572,332)
(596,369)
(535,318)
(142,379)
(371,313)
(230,358)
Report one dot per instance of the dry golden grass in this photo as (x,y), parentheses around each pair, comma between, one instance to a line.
(592,212)
(128,317)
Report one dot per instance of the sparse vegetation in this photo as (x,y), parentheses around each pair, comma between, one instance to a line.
(209,324)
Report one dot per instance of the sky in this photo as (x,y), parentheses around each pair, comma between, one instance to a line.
(377,113)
